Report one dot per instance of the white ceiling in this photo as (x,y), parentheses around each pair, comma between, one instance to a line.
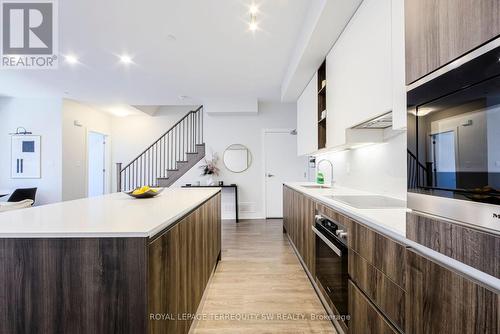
(213,53)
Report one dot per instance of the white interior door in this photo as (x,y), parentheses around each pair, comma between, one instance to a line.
(281,165)
(96,163)
(445,170)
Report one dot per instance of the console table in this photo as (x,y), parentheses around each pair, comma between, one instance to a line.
(233,186)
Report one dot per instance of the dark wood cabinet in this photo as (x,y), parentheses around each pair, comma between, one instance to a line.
(287,208)
(379,288)
(392,289)
(333,215)
(298,218)
(441,301)
(385,254)
(439,31)
(307,241)
(67,285)
(181,261)
(473,247)
(365,318)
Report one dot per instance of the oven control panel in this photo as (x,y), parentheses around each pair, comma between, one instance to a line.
(334,228)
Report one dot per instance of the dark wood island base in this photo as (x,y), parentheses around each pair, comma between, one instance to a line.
(110,285)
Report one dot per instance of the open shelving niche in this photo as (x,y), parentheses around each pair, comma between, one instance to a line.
(322,106)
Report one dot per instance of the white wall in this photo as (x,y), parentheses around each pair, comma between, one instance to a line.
(42,117)
(224,130)
(64,145)
(74,147)
(231,105)
(379,168)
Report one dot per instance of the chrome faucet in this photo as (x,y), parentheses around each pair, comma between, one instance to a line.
(331,169)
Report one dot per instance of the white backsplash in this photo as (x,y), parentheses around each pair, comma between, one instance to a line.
(379,168)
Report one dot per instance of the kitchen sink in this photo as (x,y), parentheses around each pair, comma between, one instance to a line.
(317,186)
(369,201)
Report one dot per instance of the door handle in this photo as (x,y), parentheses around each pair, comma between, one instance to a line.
(270,175)
(334,248)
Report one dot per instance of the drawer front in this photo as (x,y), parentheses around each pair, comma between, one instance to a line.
(473,247)
(334,215)
(365,318)
(383,253)
(298,217)
(446,301)
(383,292)
(287,207)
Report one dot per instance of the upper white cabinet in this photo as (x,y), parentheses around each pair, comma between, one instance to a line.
(359,70)
(399,107)
(307,122)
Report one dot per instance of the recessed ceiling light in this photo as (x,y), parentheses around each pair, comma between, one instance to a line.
(424,111)
(126,59)
(71,59)
(253,26)
(254,9)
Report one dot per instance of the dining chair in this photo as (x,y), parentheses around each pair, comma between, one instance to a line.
(22,194)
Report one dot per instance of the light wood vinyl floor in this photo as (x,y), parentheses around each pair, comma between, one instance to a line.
(259,286)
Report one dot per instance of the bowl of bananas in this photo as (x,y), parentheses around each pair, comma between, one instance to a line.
(144,192)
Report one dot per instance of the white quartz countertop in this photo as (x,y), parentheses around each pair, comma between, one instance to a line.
(393,219)
(113,215)
(392,223)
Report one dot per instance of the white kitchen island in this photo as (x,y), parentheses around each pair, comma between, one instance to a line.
(108,264)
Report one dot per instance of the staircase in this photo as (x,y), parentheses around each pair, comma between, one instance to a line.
(418,174)
(168,158)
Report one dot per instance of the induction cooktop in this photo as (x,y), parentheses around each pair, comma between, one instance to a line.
(369,201)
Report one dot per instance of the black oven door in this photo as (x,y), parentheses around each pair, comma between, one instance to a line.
(331,269)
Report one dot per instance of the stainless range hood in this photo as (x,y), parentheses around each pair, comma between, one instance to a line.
(373,131)
(369,132)
(380,122)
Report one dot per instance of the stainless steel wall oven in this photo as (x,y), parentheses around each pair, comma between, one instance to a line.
(454,140)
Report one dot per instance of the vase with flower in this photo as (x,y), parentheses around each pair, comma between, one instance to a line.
(210,169)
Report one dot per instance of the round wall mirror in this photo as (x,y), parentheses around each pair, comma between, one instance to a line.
(237,158)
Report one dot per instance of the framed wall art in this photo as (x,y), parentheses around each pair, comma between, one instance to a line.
(26,157)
